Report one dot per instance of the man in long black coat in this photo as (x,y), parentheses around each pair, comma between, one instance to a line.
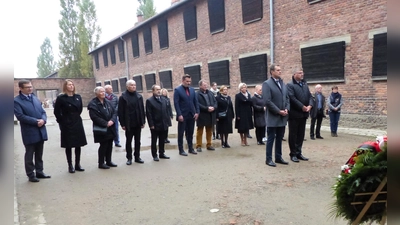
(131,117)
(300,106)
(159,121)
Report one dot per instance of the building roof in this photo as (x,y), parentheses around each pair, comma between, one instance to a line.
(52,75)
(146,22)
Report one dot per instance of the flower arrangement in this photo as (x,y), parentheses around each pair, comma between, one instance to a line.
(362,173)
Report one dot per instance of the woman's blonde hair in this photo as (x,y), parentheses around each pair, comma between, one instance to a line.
(162,92)
(241,85)
(65,86)
(221,89)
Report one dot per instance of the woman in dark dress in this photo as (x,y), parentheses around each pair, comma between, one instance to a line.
(67,109)
(224,124)
(164,94)
(244,113)
(103,115)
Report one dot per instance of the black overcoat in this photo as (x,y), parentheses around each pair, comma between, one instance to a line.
(299,96)
(156,113)
(67,111)
(244,111)
(258,110)
(206,118)
(225,124)
(100,114)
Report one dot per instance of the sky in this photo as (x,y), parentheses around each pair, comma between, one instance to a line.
(38,19)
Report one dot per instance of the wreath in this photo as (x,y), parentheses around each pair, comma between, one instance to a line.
(362,173)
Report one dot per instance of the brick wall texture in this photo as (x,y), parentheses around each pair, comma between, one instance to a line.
(295,22)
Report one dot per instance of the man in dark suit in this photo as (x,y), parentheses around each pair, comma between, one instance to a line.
(277,102)
(187,111)
(29,111)
(300,106)
(131,117)
(159,121)
(317,112)
(207,116)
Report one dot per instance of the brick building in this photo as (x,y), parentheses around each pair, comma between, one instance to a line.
(336,42)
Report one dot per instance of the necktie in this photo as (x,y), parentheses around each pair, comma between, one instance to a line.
(301,84)
(187,91)
(29,97)
(279,84)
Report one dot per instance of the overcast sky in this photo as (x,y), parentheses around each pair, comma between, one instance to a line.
(36,20)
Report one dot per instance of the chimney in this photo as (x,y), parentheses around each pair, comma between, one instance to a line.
(174,1)
(139,18)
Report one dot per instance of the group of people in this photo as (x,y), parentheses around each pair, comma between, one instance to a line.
(272,106)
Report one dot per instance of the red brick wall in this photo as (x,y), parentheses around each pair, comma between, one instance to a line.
(83,86)
(295,22)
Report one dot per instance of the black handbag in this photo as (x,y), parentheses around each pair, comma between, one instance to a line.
(222,114)
(99,130)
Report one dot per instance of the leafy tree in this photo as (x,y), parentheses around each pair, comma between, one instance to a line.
(146,8)
(45,61)
(69,50)
(88,34)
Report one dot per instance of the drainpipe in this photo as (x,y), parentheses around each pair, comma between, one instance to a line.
(126,58)
(271,19)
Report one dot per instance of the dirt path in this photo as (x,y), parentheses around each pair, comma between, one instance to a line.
(182,190)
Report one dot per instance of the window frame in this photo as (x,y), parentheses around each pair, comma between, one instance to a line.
(168,74)
(378,52)
(148,40)
(105,57)
(123,84)
(115,86)
(163,34)
(195,73)
(215,71)
(215,17)
(190,23)
(150,79)
(96,61)
(252,15)
(250,70)
(139,82)
(112,55)
(121,51)
(135,45)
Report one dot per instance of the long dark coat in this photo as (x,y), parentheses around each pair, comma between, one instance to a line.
(258,110)
(100,114)
(244,111)
(225,124)
(314,109)
(169,108)
(68,111)
(206,118)
(124,108)
(156,113)
(299,96)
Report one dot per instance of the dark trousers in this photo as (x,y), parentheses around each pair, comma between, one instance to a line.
(274,134)
(134,131)
(187,127)
(334,119)
(34,150)
(166,134)
(297,128)
(105,151)
(260,133)
(68,153)
(318,119)
(161,135)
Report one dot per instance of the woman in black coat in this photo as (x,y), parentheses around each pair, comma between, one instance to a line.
(67,109)
(164,94)
(244,113)
(259,114)
(224,124)
(104,116)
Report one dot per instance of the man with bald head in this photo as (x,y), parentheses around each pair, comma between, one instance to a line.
(317,112)
(113,98)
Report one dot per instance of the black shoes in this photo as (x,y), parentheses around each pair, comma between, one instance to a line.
(183,153)
(312,137)
(103,166)
(301,157)
(167,141)
(156,159)
(319,137)
(71,169)
(294,159)
(260,143)
(111,164)
(79,168)
(211,148)
(227,145)
(198,149)
(270,163)
(164,156)
(281,161)
(118,145)
(33,179)
(129,162)
(42,175)
(139,160)
(283,139)
(193,152)
(249,136)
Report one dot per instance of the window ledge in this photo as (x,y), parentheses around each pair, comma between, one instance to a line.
(164,48)
(193,39)
(252,21)
(218,31)
(377,78)
(325,81)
